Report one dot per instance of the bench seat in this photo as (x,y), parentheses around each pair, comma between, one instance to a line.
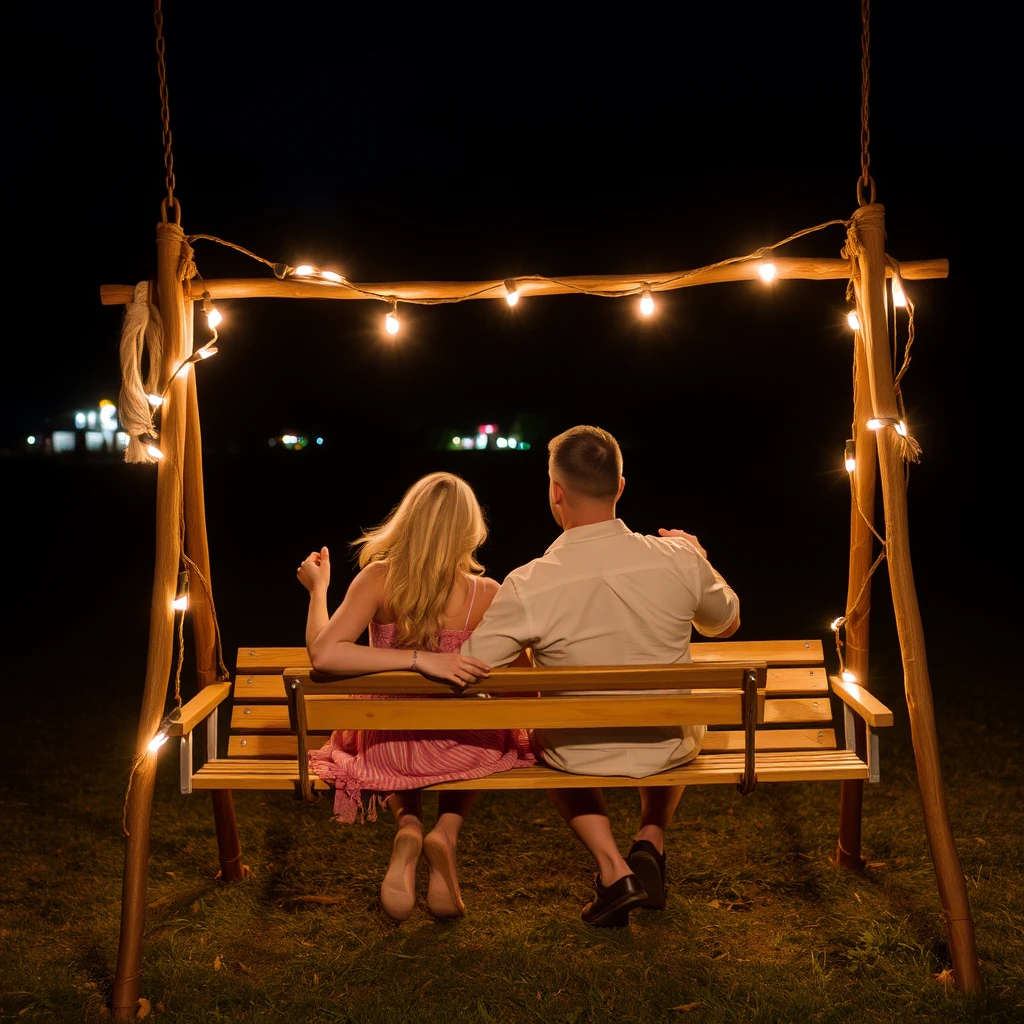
(774,691)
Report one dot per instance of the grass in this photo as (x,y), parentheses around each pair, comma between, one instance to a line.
(760,925)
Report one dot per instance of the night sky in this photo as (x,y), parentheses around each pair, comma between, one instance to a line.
(504,141)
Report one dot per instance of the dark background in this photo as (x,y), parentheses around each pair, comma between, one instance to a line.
(487,143)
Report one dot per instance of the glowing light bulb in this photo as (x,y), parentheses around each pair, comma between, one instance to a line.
(899,297)
(901,428)
(157,742)
(213,318)
(511,292)
(874,424)
(154,451)
(848,676)
(853,320)
(836,623)
(767,272)
(207,352)
(183,372)
(391,323)
(179,604)
(850,455)
(646,301)
(155,400)
(305,270)
(331,275)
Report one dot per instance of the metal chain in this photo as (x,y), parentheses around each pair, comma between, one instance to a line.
(865,179)
(165,113)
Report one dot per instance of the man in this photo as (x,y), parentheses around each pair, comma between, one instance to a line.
(602,595)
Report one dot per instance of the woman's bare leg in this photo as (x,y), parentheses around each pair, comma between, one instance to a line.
(398,890)
(444,897)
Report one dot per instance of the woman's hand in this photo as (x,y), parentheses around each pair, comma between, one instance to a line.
(316,570)
(455,669)
(688,537)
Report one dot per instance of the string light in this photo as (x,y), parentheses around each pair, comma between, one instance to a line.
(391,321)
(848,676)
(767,272)
(155,400)
(853,320)
(305,270)
(163,730)
(836,623)
(207,352)
(332,275)
(850,455)
(899,297)
(877,422)
(154,452)
(180,603)
(646,301)
(511,292)
(213,316)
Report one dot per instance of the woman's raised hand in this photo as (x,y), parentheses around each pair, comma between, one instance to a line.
(457,669)
(315,570)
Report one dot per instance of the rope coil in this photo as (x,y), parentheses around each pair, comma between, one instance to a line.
(142,335)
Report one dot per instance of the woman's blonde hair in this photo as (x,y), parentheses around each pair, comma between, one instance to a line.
(427,542)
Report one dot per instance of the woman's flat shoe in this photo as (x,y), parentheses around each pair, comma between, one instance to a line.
(611,907)
(443,896)
(398,890)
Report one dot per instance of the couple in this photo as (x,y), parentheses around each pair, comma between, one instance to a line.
(600,595)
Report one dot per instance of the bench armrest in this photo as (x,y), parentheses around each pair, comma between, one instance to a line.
(199,707)
(869,707)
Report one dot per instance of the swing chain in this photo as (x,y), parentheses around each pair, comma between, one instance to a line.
(865,180)
(165,114)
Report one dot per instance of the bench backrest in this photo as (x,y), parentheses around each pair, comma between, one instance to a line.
(793,711)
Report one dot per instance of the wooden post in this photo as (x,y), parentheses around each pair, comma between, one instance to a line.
(851,794)
(867,241)
(204,630)
(169,244)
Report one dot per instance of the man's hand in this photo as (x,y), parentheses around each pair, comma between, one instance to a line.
(315,570)
(688,537)
(458,670)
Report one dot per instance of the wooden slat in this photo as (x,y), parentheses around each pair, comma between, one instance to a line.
(796,680)
(260,716)
(254,745)
(783,710)
(259,687)
(273,660)
(326,712)
(869,707)
(706,769)
(562,680)
(196,710)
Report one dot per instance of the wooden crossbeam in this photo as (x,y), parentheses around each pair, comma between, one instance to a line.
(786,268)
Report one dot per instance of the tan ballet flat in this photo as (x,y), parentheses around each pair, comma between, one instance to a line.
(443,896)
(398,890)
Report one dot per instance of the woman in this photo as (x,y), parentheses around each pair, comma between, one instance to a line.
(421,591)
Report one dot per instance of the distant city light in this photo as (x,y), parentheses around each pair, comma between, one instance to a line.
(319,440)
(31,439)
(80,420)
(511,442)
(481,440)
(456,441)
(108,415)
(488,428)
(501,442)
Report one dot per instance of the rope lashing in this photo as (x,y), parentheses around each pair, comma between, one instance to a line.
(142,333)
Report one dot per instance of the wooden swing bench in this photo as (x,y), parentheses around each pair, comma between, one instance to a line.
(766,704)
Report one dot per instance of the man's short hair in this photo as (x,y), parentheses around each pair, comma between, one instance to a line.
(588,461)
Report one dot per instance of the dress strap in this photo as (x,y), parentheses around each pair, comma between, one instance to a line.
(471,602)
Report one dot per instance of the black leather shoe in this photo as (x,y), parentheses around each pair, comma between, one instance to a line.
(649,866)
(611,907)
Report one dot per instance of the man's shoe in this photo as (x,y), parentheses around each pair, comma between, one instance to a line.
(611,907)
(649,867)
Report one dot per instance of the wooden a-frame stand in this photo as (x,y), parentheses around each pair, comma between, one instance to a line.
(180,492)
